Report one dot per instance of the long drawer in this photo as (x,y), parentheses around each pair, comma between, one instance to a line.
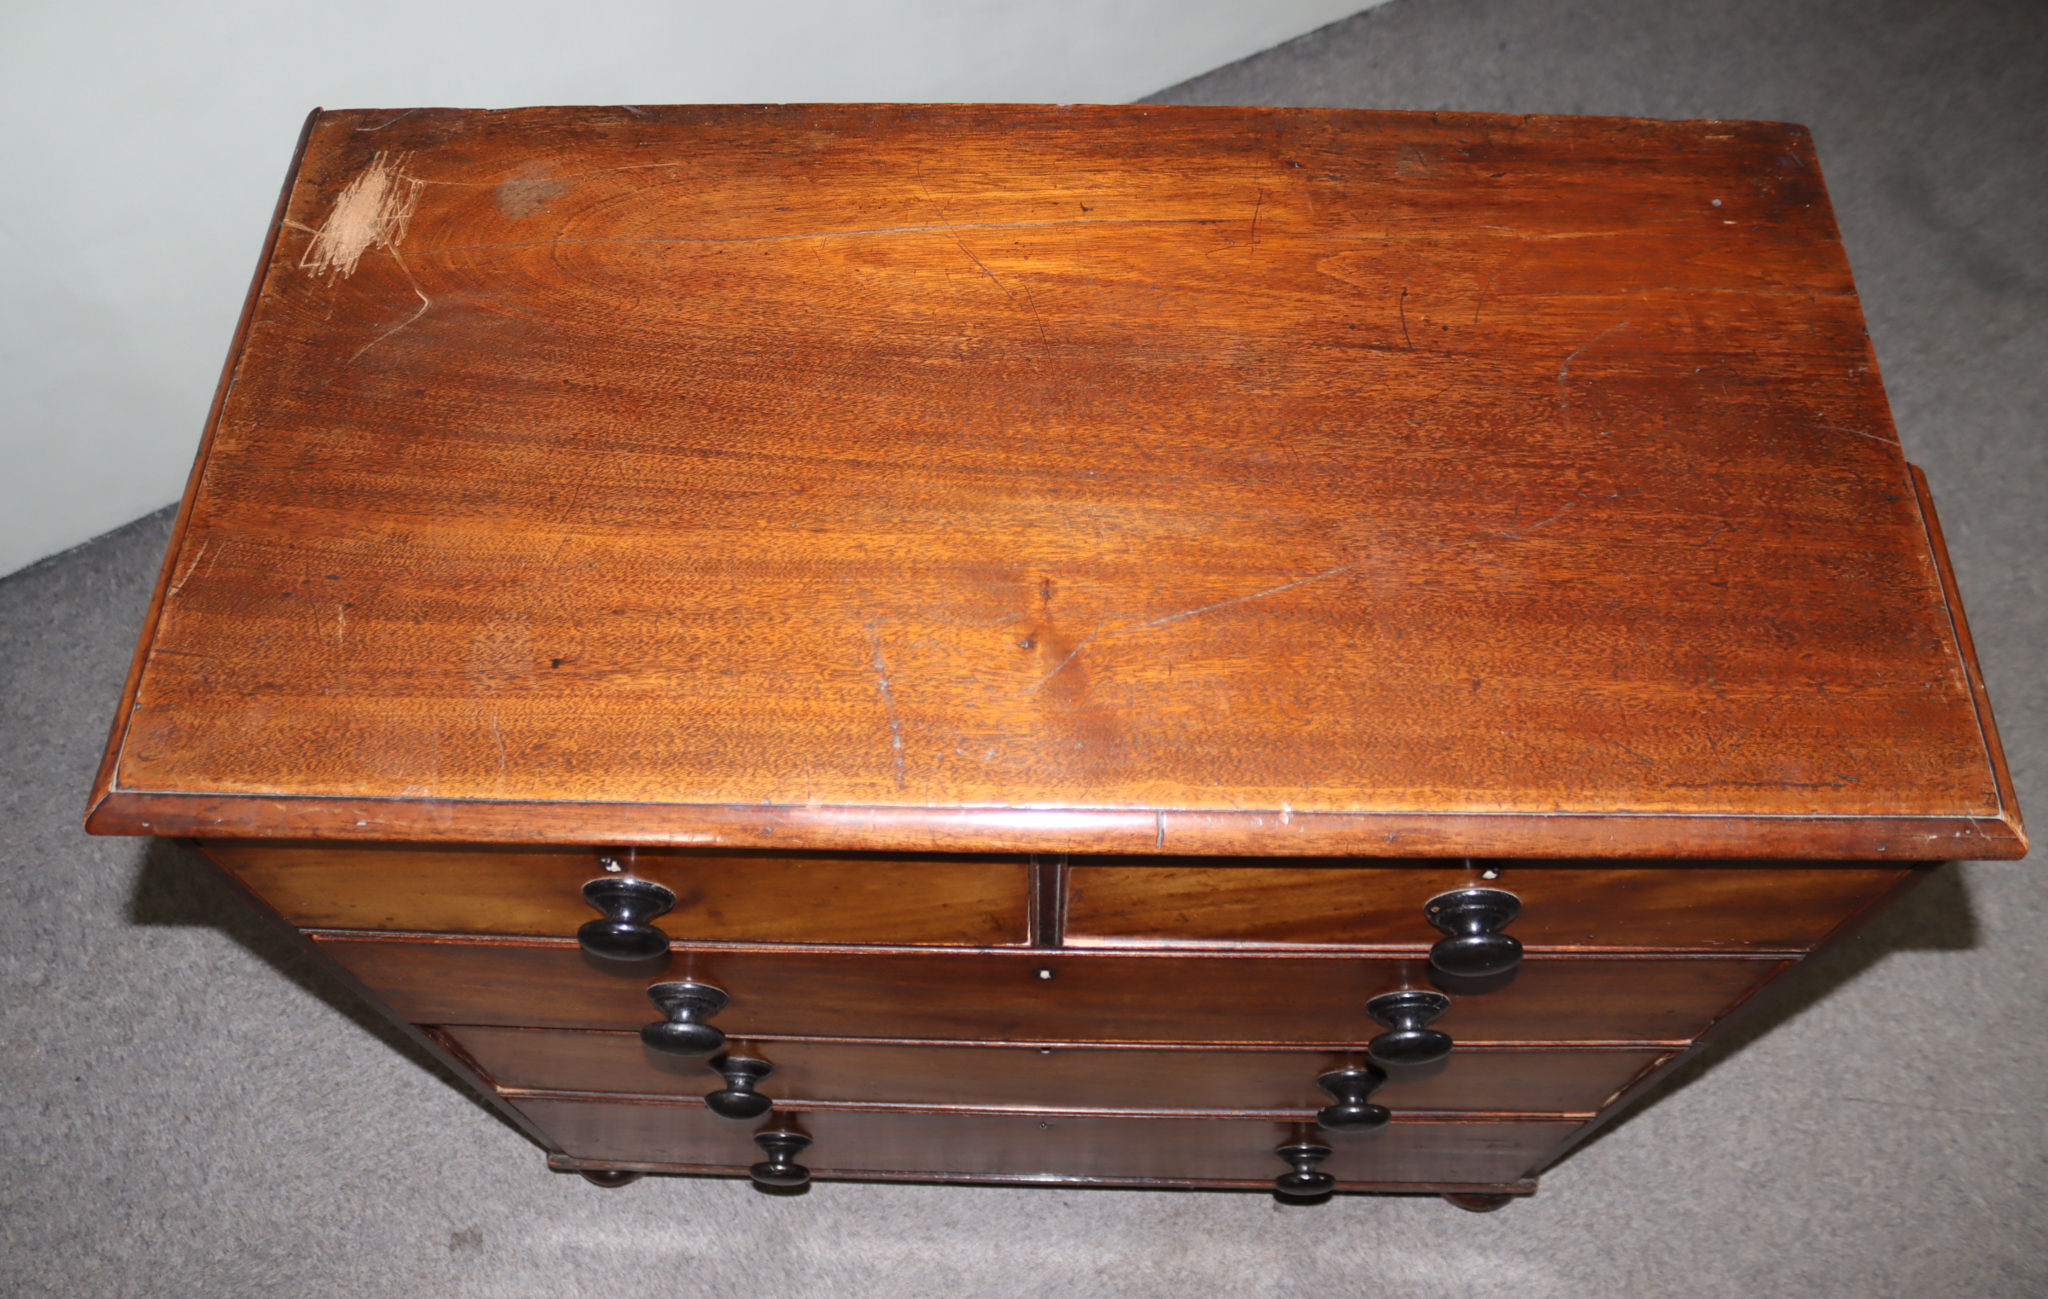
(1066,996)
(1771,906)
(759,897)
(1029,1147)
(1486,1079)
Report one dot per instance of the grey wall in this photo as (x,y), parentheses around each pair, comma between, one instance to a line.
(145,144)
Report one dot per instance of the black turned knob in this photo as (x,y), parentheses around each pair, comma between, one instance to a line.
(687,1006)
(738,1099)
(1351,1089)
(1472,920)
(1408,1039)
(780,1168)
(1304,1180)
(624,934)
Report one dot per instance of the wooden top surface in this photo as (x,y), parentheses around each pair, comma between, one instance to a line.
(1157,479)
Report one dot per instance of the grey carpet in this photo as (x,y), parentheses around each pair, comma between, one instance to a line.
(189,1109)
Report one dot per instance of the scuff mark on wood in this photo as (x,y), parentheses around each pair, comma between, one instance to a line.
(1564,374)
(372,212)
(888,702)
(528,190)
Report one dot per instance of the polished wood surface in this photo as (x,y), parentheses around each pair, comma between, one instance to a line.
(720,897)
(1474,1079)
(899,475)
(1781,906)
(888,829)
(1981,696)
(853,1142)
(999,996)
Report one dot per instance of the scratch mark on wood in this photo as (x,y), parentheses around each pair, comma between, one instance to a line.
(1251,244)
(190,568)
(1159,829)
(387,121)
(425,302)
(1242,599)
(888,702)
(499,738)
(1890,442)
(1028,306)
(1633,754)
(1071,656)
(1564,374)
(340,624)
(372,211)
(936,228)
(1571,507)
(1402,303)
(1483,291)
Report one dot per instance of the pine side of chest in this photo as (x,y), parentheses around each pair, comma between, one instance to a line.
(1133,646)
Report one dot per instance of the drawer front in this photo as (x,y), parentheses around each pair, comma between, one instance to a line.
(1090,997)
(1478,1080)
(853,1143)
(907,900)
(1121,901)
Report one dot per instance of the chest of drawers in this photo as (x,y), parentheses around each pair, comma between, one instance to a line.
(1129,646)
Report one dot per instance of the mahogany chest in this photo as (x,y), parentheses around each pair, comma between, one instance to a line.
(1134,646)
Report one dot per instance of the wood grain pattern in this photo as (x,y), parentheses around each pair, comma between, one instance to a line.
(1474,1079)
(768,466)
(1966,648)
(104,778)
(999,996)
(917,829)
(720,897)
(1079,1148)
(1623,1104)
(1778,907)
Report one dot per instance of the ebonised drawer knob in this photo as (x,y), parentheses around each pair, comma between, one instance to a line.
(1304,1180)
(780,1168)
(738,1099)
(1473,945)
(688,1005)
(1353,1111)
(624,934)
(1408,1039)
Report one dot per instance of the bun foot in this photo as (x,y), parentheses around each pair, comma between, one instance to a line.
(611,1178)
(1478,1201)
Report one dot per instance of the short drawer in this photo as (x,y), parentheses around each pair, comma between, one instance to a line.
(1035,1147)
(1483,1079)
(912,899)
(1702,907)
(993,996)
